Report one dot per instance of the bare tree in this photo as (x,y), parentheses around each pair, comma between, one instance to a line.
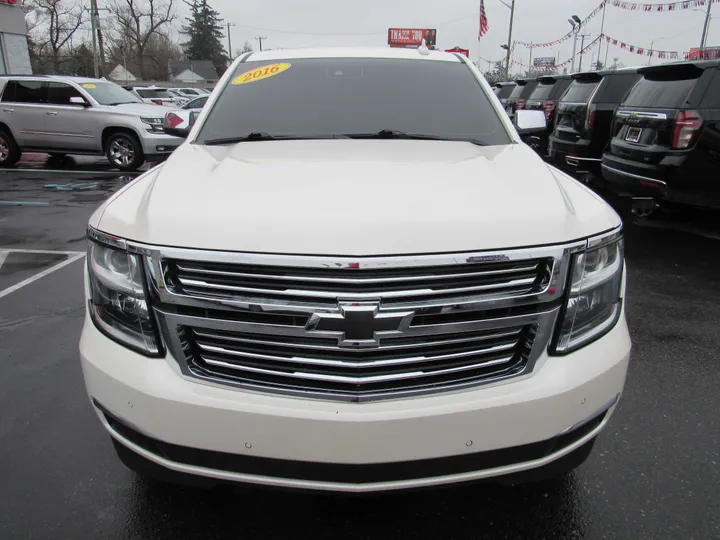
(136,22)
(246,48)
(54,23)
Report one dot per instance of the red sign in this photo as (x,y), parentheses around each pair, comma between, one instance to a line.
(466,52)
(412,37)
(11,2)
(709,53)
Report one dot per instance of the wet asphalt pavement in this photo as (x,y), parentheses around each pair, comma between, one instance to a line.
(654,473)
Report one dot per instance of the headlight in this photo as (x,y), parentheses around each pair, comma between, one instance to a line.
(117,303)
(593,303)
(156,124)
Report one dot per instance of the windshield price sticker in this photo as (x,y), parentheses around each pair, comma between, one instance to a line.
(260,73)
(89,86)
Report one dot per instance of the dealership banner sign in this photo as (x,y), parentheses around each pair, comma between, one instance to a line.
(412,37)
(544,62)
(10,2)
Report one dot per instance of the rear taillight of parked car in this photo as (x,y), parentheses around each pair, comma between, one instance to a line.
(687,125)
(157,101)
(549,108)
(590,118)
(520,104)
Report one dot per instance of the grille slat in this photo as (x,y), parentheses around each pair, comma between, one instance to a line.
(217,281)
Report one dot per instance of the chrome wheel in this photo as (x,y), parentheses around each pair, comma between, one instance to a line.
(122,152)
(4,150)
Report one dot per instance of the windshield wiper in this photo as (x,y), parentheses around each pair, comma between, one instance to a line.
(395,134)
(262,136)
(120,103)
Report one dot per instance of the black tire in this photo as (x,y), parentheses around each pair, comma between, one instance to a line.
(124,151)
(9,150)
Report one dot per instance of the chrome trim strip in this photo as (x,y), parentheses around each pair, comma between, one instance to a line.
(642,114)
(356,380)
(354,364)
(354,295)
(575,161)
(631,175)
(332,344)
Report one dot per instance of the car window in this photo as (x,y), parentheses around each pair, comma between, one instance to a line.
(528,89)
(150,93)
(342,96)
(189,92)
(711,100)
(558,90)
(580,91)
(60,93)
(542,91)
(506,90)
(615,87)
(107,93)
(198,103)
(659,93)
(25,92)
(517,90)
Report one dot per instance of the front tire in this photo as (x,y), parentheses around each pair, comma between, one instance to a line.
(124,151)
(9,150)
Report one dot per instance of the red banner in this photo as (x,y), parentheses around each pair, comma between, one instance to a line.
(412,37)
(11,2)
(655,8)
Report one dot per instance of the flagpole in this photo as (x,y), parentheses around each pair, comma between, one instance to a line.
(602,31)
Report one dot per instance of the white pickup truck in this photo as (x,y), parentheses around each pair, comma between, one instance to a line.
(354,276)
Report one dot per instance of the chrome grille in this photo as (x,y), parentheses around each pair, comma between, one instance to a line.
(320,367)
(326,285)
(278,323)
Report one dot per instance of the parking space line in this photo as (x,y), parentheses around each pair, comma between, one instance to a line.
(32,279)
(3,256)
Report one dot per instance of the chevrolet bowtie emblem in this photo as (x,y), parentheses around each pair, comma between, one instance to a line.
(359,324)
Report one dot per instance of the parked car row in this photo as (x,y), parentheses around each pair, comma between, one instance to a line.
(171,97)
(652,133)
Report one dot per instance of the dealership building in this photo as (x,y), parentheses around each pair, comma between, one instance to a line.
(14,54)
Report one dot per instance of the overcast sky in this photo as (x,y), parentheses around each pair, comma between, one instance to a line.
(301,23)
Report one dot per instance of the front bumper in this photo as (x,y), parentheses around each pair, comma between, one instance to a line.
(159,144)
(230,434)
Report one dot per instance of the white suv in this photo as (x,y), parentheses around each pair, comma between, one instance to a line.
(354,276)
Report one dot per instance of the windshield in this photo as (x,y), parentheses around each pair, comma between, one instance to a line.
(109,94)
(150,93)
(332,97)
(659,93)
(542,91)
(580,91)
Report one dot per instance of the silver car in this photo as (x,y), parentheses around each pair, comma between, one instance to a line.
(71,115)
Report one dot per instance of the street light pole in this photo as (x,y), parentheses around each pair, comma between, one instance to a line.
(582,48)
(509,41)
(703,41)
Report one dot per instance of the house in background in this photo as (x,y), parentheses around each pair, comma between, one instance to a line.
(192,71)
(121,75)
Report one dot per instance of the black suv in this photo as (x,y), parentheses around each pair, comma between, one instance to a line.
(666,135)
(520,93)
(503,91)
(584,117)
(545,97)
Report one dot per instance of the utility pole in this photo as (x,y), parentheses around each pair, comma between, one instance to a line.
(582,47)
(230,51)
(703,40)
(572,68)
(509,42)
(260,39)
(530,65)
(602,33)
(93,23)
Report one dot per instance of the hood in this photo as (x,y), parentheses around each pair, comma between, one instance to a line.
(141,109)
(355,197)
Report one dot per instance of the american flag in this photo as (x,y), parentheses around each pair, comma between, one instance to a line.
(484,26)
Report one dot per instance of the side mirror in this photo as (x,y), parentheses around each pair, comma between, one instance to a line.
(77,100)
(179,123)
(528,122)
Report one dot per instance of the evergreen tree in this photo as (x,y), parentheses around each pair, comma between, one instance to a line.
(204,32)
